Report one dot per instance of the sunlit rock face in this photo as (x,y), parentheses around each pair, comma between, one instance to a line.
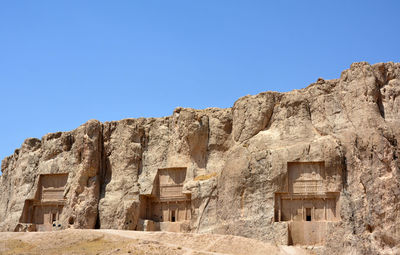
(316,166)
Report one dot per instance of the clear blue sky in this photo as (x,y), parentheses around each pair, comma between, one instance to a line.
(65,62)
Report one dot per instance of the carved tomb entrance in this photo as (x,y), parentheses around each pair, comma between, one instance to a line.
(307,205)
(44,210)
(167,203)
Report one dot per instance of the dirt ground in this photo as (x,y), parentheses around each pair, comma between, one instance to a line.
(134,242)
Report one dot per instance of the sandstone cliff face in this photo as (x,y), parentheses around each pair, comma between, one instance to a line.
(236,161)
(77,152)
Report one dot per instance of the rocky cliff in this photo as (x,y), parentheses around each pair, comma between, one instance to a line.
(237,164)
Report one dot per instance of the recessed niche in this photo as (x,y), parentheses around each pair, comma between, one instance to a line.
(167,203)
(306,201)
(45,208)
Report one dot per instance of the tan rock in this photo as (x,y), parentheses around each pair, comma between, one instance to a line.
(328,153)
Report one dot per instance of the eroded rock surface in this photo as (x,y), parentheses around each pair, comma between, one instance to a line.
(236,162)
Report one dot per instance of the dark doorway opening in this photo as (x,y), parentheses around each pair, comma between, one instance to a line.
(308,214)
(173,216)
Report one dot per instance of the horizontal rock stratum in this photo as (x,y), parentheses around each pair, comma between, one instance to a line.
(316,166)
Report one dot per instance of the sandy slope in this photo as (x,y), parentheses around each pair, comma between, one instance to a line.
(134,242)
